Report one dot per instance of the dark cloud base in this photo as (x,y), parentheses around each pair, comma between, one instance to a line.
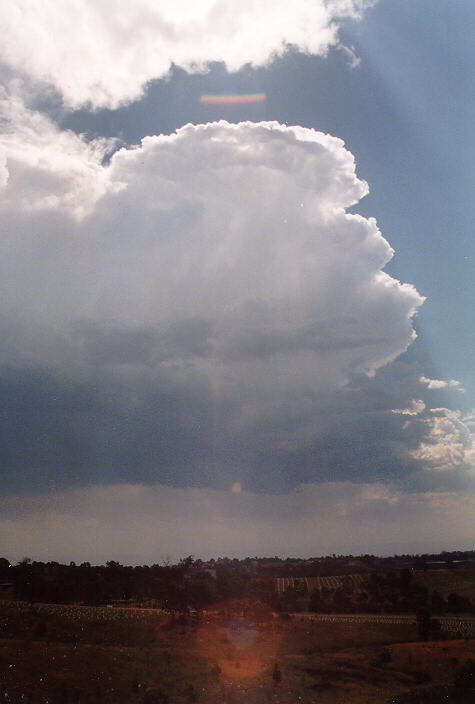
(56,434)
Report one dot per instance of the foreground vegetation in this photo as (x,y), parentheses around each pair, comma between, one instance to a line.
(230,631)
(68,655)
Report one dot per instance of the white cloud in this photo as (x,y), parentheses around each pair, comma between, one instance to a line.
(102,53)
(141,524)
(433,383)
(440,384)
(221,255)
(416,407)
(354,60)
(455,384)
(448,444)
(44,168)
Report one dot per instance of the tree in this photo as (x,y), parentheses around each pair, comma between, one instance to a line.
(437,603)
(435,628)
(457,604)
(423,623)
(187,562)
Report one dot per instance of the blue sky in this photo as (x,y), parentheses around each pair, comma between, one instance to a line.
(195,320)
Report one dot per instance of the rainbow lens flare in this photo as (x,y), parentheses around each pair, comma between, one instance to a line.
(233,99)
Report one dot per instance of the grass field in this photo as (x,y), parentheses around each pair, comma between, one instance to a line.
(67,654)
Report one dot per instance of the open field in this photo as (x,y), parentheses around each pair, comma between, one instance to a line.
(70,654)
(456,626)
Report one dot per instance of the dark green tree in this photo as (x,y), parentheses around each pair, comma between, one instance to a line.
(423,623)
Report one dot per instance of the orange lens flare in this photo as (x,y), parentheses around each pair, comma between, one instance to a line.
(249,665)
(241,647)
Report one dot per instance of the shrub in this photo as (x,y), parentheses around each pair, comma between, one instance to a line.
(464,679)
(276,674)
(155,695)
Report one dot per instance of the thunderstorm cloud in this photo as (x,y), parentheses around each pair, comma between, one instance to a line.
(199,332)
(207,290)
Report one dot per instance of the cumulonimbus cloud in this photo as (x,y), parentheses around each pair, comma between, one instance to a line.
(101,53)
(216,282)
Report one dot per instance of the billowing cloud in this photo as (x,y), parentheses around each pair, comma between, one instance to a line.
(43,168)
(416,407)
(102,53)
(210,296)
(223,243)
(88,524)
(448,443)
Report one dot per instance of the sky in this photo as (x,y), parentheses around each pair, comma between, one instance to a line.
(243,327)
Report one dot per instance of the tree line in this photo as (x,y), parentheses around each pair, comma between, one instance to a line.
(194,584)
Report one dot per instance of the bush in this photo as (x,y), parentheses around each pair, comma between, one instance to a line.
(276,674)
(191,694)
(155,695)
(215,673)
(464,679)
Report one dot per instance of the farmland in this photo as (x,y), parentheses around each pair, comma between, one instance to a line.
(312,583)
(67,653)
(444,581)
(253,631)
